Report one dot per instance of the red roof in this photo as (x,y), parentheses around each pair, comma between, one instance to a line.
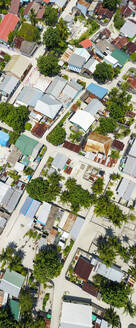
(71,146)
(132,82)
(83,268)
(86,43)
(118,144)
(14,7)
(46,1)
(89,288)
(40,13)
(7,25)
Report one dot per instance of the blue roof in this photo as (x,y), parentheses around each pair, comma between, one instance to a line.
(30,207)
(96,90)
(82,8)
(4,138)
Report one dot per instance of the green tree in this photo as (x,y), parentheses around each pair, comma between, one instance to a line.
(130,308)
(28,171)
(98,186)
(48,65)
(22,17)
(47,264)
(11,37)
(114,154)
(107,249)
(62,29)
(111,316)
(57,136)
(133,56)
(110,4)
(15,117)
(13,137)
(6,318)
(119,103)
(29,32)
(118,20)
(103,72)
(51,38)
(44,190)
(32,17)
(25,301)
(107,125)
(51,16)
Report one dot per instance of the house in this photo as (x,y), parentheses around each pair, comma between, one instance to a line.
(98,143)
(39,129)
(82,52)
(120,42)
(43,213)
(14,7)
(59,161)
(97,90)
(14,156)
(77,226)
(83,268)
(113,273)
(18,66)
(81,7)
(130,48)
(103,48)
(15,309)
(103,12)
(28,146)
(17,41)
(90,66)
(132,84)
(76,63)
(111,61)
(28,96)
(48,106)
(31,5)
(94,107)
(128,29)
(12,283)
(83,119)
(74,315)
(4,138)
(130,164)
(86,44)
(30,207)
(7,25)
(28,48)
(126,189)
(40,13)
(42,83)
(89,288)
(66,222)
(118,145)
(125,11)
(8,85)
(67,54)
(104,34)
(9,197)
(52,236)
(61,4)
(120,56)
(64,91)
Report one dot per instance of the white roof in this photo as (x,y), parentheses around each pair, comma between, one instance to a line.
(63,219)
(48,106)
(110,60)
(19,167)
(3,190)
(82,52)
(42,83)
(76,315)
(59,161)
(132,151)
(113,273)
(43,212)
(128,29)
(83,119)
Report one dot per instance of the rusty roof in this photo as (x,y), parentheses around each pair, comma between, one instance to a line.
(125,11)
(120,42)
(83,268)
(132,82)
(118,144)
(39,130)
(69,222)
(103,11)
(89,288)
(131,47)
(99,137)
(71,146)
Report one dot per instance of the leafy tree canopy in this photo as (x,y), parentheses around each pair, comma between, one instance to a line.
(110,4)
(15,117)
(44,190)
(118,20)
(119,103)
(111,316)
(47,264)
(48,65)
(25,301)
(57,136)
(107,125)
(29,32)
(6,318)
(103,72)
(51,16)
(75,195)
(51,38)
(98,185)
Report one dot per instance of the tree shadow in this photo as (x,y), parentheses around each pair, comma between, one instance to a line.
(21,253)
(125,239)
(109,232)
(12,244)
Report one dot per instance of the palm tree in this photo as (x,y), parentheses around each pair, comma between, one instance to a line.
(32,17)
(112,317)
(130,308)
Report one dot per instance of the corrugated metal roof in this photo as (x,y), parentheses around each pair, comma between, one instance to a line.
(30,207)
(94,106)
(97,90)
(76,60)
(59,161)
(56,87)
(132,151)
(82,119)
(82,52)
(126,189)
(8,84)
(43,213)
(48,106)
(13,201)
(12,282)
(17,65)
(29,96)
(113,273)
(76,228)
(130,166)
(26,144)
(76,315)
(128,29)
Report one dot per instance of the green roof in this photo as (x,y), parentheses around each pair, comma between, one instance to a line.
(14,307)
(14,278)
(26,145)
(121,56)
